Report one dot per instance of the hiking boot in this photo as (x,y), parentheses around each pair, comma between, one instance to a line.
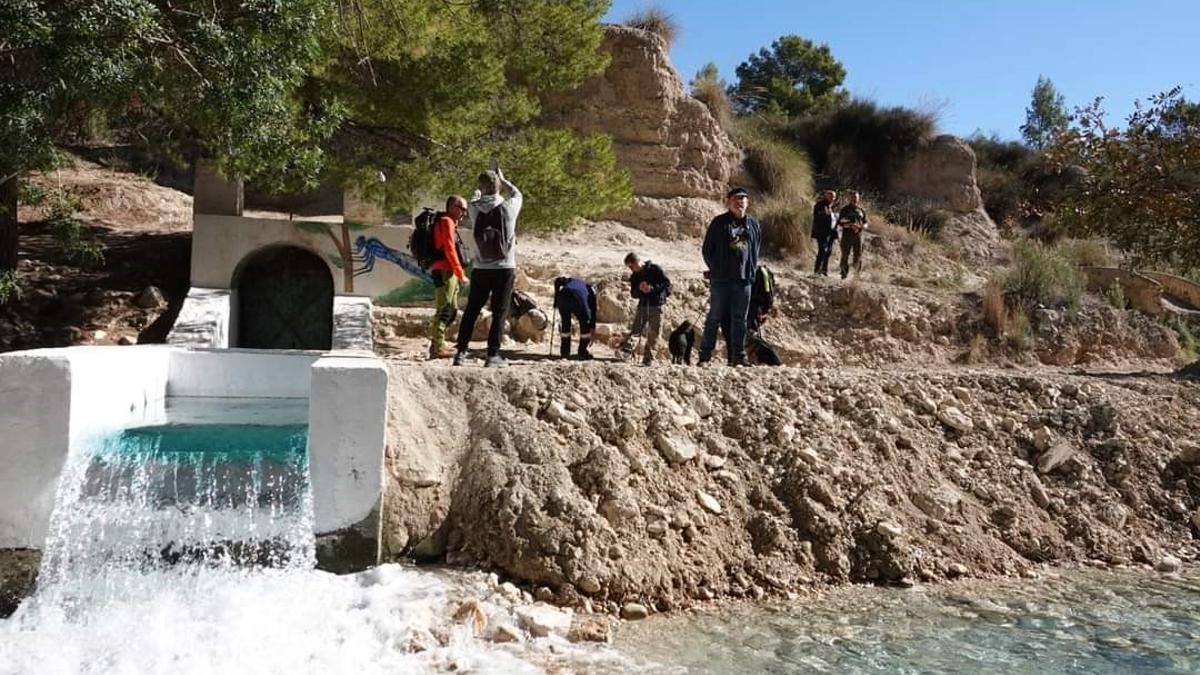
(460,358)
(440,353)
(738,361)
(705,359)
(495,361)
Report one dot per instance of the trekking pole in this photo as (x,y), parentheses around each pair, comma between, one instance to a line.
(553,318)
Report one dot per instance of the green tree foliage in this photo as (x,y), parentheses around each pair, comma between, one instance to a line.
(216,76)
(284,93)
(1139,186)
(860,144)
(432,89)
(795,76)
(564,175)
(1046,115)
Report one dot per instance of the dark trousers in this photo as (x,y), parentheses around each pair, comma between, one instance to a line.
(564,318)
(851,246)
(498,284)
(728,302)
(824,251)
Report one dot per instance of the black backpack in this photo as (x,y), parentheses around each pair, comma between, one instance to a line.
(420,244)
(763,291)
(490,237)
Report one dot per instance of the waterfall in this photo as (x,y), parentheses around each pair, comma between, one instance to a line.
(182,498)
(189,548)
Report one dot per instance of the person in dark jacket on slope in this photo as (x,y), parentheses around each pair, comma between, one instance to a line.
(731,249)
(824,231)
(649,285)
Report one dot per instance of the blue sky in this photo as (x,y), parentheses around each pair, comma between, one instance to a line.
(977,60)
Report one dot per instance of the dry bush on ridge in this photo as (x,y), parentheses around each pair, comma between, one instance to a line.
(654,19)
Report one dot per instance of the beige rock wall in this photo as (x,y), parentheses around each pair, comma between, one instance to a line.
(942,174)
(670,143)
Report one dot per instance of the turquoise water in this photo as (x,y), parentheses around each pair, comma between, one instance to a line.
(1129,622)
(226,442)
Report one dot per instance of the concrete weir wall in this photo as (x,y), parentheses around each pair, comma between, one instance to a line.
(50,399)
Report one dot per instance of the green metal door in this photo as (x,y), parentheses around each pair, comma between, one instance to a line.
(285,300)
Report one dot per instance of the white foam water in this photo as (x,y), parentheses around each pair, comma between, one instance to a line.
(192,562)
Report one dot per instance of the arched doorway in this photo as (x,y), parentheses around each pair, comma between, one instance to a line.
(284,300)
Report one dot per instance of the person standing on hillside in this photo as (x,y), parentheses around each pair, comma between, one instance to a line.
(731,248)
(824,231)
(447,274)
(495,269)
(852,220)
(575,298)
(649,285)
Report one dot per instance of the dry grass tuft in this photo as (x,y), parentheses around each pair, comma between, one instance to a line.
(995,308)
(655,20)
(785,227)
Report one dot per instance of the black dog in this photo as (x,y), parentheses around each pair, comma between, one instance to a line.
(681,342)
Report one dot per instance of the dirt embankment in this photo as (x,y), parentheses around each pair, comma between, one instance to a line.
(665,486)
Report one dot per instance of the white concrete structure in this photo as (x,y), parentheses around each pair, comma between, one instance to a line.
(221,243)
(52,399)
(204,319)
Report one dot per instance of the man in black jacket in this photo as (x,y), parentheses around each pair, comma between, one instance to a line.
(649,285)
(731,248)
(824,231)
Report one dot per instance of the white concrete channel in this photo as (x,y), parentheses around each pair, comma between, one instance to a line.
(51,399)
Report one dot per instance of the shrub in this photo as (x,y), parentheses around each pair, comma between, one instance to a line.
(655,20)
(916,215)
(1115,296)
(993,153)
(1189,338)
(1003,193)
(1020,334)
(10,287)
(995,307)
(861,143)
(1086,252)
(70,238)
(778,167)
(976,350)
(708,88)
(1040,274)
(785,227)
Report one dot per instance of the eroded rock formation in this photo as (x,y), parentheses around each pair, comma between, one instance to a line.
(679,157)
(942,174)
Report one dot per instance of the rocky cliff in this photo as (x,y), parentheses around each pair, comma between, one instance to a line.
(679,157)
(941,173)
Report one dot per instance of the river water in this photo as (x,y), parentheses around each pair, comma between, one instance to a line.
(187,548)
(1078,622)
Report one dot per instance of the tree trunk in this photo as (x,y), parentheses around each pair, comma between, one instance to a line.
(348,258)
(8,224)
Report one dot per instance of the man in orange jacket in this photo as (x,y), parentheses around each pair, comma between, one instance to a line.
(447,274)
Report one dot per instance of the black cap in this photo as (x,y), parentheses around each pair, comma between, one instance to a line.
(737,192)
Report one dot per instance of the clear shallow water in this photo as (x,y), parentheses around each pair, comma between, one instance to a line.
(1070,623)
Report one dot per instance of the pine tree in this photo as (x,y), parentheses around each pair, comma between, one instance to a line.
(1046,116)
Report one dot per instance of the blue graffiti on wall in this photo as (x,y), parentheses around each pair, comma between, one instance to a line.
(367,250)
